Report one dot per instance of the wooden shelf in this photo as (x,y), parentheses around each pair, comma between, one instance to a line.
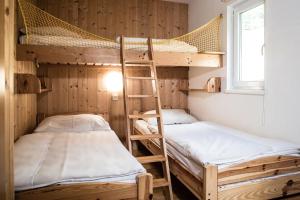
(45,90)
(213,85)
(31,84)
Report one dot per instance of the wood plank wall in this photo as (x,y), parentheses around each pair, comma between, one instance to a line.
(25,105)
(133,18)
(82,89)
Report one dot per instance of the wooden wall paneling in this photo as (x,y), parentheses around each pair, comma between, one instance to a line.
(25,105)
(101,28)
(78,88)
(92,90)
(83,14)
(92,16)
(73,90)
(103,96)
(63,89)
(82,89)
(110,32)
(133,18)
(183,19)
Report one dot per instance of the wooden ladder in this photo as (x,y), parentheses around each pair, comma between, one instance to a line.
(164,182)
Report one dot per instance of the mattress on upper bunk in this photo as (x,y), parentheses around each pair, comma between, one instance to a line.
(209,143)
(136,44)
(52,156)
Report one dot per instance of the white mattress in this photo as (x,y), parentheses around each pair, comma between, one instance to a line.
(42,159)
(170,46)
(208,143)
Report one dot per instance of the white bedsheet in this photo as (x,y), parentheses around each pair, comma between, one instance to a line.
(209,143)
(43,159)
(170,46)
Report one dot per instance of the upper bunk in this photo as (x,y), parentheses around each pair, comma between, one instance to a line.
(47,39)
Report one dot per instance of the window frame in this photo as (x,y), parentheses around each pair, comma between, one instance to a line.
(234,12)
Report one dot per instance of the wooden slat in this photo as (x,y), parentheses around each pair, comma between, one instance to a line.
(141,96)
(151,159)
(140,78)
(267,189)
(81,191)
(257,175)
(160,182)
(295,162)
(260,161)
(145,137)
(138,62)
(139,116)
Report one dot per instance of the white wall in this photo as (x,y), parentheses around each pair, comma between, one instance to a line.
(277,113)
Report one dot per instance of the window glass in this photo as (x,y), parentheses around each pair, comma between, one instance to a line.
(251,44)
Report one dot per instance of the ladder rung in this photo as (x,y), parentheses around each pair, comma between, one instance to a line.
(141,96)
(151,159)
(145,137)
(139,62)
(160,182)
(141,78)
(143,116)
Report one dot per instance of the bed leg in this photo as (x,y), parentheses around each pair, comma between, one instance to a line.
(210,183)
(145,187)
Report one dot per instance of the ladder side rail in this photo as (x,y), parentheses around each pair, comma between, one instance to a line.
(165,165)
(125,94)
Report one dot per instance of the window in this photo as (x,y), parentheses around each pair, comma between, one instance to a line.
(247,48)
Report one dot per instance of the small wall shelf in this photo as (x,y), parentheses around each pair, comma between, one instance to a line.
(31,84)
(213,85)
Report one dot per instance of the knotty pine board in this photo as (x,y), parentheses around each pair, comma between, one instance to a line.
(132,18)
(25,105)
(82,89)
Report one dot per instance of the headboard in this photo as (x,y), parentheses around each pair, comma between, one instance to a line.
(41,116)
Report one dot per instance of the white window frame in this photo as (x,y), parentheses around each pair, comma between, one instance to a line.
(233,57)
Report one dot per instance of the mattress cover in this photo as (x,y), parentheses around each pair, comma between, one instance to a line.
(42,159)
(209,143)
(169,46)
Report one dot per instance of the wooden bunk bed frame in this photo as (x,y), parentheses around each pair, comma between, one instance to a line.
(142,190)
(105,56)
(210,187)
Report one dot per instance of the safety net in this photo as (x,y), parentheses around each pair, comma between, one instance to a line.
(42,28)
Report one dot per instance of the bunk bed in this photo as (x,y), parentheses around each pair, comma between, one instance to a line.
(47,39)
(263,175)
(77,157)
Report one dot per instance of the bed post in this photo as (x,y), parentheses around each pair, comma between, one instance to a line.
(210,182)
(145,187)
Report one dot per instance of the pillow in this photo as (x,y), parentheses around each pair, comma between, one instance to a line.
(172,116)
(73,123)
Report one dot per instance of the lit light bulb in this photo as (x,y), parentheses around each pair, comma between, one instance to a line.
(114,83)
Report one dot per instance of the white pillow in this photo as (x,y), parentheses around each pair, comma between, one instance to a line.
(172,116)
(73,123)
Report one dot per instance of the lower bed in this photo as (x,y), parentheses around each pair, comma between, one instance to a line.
(239,160)
(77,165)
